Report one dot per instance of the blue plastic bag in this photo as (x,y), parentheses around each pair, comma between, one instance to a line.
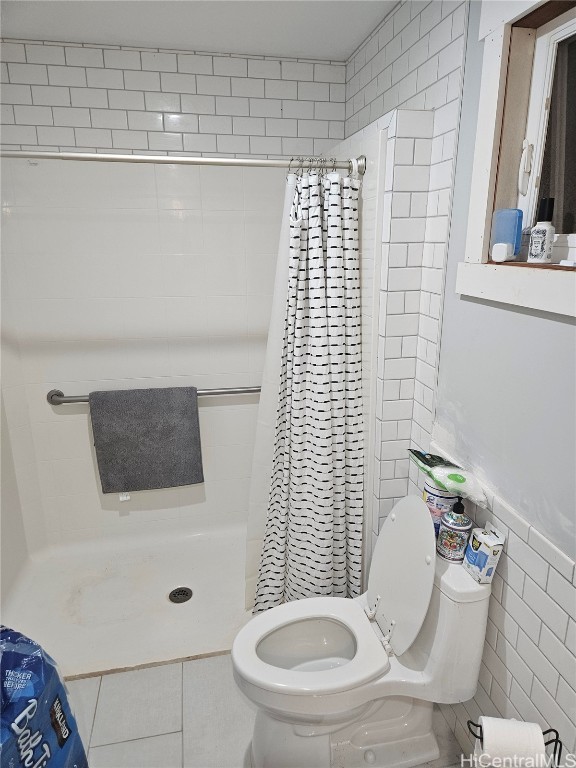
(38,729)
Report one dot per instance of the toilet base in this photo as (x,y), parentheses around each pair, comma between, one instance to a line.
(392,733)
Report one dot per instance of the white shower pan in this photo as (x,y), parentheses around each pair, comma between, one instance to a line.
(104,605)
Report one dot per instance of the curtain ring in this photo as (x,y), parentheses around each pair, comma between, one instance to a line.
(301,163)
(354,167)
(289,168)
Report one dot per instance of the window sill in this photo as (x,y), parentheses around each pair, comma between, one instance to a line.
(525,264)
(549,289)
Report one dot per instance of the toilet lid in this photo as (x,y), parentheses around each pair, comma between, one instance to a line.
(402,572)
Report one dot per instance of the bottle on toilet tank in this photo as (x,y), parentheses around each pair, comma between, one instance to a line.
(438,501)
(455,528)
(542,234)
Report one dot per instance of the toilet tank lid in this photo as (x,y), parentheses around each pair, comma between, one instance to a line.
(456,583)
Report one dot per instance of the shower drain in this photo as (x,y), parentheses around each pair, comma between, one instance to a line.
(180,595)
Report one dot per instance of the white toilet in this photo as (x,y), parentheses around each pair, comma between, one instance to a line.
(342,683)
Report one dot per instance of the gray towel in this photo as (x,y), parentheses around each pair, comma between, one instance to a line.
(146,438)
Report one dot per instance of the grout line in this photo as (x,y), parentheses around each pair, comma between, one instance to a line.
(129,741)
(117,670)
(94,715)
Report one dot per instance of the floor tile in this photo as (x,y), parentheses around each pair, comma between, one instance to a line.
(218,721)
(155,752)
(83,695)
(138,704)
(189,715)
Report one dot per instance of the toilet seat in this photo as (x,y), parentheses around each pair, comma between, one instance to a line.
(370,659)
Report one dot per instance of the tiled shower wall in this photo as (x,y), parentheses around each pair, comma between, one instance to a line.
(108,98)
(120,276)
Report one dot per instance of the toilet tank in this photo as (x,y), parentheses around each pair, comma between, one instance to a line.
(448,649)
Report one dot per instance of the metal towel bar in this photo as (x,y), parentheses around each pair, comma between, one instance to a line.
(57,397)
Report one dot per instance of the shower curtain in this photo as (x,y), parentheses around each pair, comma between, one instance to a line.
(313,537)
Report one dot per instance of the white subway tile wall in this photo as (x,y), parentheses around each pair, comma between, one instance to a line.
(411,60)
(110,99)
(402,325)
(529,665)
(417,190)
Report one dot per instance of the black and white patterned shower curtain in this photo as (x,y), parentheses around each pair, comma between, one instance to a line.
(313,539)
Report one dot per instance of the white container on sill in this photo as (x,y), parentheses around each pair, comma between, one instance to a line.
(542,234)
(502,252)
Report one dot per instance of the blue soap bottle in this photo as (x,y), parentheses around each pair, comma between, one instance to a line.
(506,234)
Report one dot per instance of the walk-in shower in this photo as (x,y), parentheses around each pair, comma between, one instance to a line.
(133,271)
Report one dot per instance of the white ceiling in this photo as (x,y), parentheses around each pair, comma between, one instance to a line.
(319,29)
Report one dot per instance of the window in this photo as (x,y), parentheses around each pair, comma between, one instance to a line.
(551,124)
(525,148)
(558,174)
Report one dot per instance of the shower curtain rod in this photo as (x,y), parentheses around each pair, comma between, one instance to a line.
(181,160)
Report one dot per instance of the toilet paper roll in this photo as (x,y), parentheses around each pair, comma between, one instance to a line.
(511,739)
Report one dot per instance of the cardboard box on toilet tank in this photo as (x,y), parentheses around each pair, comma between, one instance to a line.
(483,552)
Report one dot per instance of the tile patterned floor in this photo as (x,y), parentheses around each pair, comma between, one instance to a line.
(171,716)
